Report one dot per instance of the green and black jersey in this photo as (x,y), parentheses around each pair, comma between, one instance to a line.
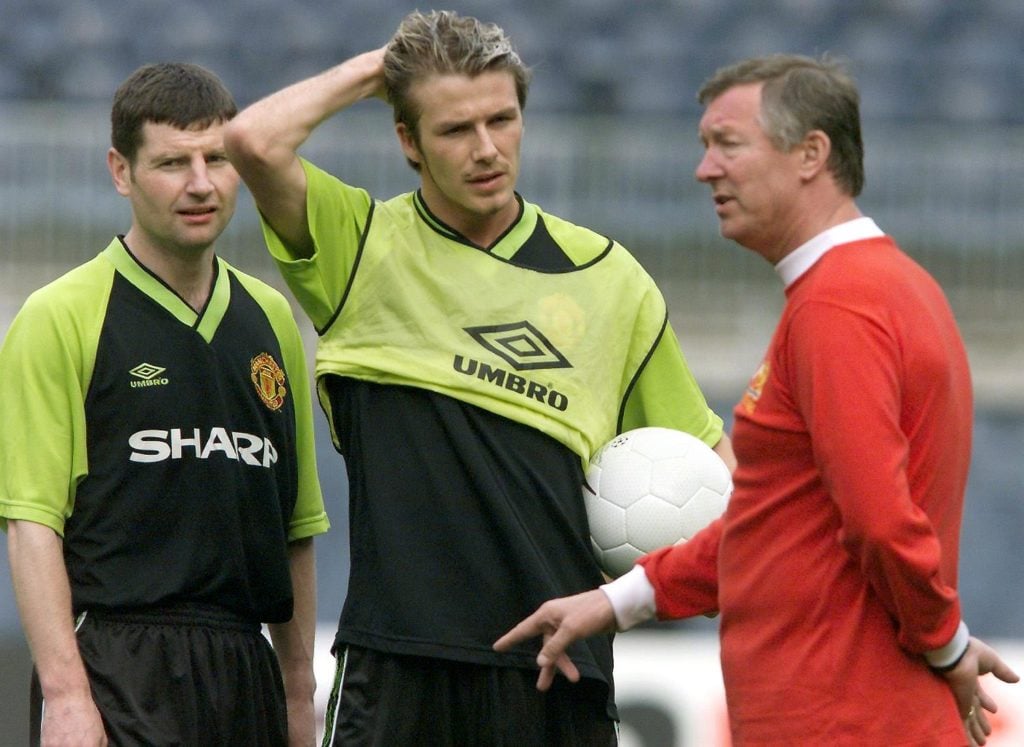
(466,387)
(173,451)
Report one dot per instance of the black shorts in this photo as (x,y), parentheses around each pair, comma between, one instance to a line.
(383,700)
(182,676)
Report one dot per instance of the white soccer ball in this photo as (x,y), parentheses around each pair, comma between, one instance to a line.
(648,488)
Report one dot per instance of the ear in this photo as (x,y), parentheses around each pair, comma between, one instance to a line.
(408,142)
(120,172)
(814,153)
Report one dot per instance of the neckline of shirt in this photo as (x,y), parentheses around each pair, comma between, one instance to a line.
(801,259)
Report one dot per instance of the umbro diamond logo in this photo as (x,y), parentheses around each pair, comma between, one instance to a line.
(521,345)
(147,374)
(146,371)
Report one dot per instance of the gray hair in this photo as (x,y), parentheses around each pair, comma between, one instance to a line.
(802,94)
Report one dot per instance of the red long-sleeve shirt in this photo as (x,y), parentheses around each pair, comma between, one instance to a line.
(835,564)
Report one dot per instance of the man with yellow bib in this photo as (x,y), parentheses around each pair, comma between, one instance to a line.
(474,351)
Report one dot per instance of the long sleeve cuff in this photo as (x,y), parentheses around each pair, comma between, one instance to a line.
(949,656)
(632,598)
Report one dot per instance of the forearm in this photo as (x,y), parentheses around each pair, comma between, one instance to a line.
(273,128)
(43,596)
(294,640)
(685,576)
(263,141)
(724,449)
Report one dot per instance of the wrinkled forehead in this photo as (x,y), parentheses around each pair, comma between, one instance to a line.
(738,107)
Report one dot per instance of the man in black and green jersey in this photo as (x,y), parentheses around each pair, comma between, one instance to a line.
(157,473)
(474,351)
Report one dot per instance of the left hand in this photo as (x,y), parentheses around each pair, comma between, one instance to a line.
(977,726)
(972,700)
(561,622)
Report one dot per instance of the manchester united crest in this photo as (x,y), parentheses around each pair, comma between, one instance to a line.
(268,378)
(755,388)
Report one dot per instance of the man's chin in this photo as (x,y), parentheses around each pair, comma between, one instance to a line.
(494,204)
(200,238)
(193,246)
(732,228)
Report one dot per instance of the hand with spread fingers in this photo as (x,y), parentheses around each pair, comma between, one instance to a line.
(561,622)
(964,679)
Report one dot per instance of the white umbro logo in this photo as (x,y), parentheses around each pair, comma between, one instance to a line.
(146,371)
(148,374)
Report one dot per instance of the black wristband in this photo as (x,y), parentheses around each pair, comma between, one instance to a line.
(953,664)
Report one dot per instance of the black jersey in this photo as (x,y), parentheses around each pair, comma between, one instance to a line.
(173,450)
(467,521)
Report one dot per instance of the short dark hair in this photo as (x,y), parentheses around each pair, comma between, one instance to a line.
(181,94)
(802,94)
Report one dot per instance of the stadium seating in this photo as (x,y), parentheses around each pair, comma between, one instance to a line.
(915,59)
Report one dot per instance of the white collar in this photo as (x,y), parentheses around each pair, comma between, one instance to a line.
(801,259)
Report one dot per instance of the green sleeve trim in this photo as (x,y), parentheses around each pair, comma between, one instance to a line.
(47,357)
(19,511)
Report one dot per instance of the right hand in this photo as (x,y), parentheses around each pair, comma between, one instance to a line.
(375,59)
(560,622)
(72,721)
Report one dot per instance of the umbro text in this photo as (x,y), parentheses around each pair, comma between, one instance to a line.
(149,382)
(512,382)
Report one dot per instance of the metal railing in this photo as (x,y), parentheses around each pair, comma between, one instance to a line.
(953,198)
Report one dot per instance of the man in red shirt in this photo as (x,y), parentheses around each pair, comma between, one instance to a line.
(834,568)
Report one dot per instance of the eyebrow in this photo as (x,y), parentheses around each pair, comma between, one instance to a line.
(444,124)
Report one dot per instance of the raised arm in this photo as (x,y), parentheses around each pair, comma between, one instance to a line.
(263,140)
(43,595)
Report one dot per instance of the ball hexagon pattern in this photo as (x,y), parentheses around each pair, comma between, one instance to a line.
(648,488)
